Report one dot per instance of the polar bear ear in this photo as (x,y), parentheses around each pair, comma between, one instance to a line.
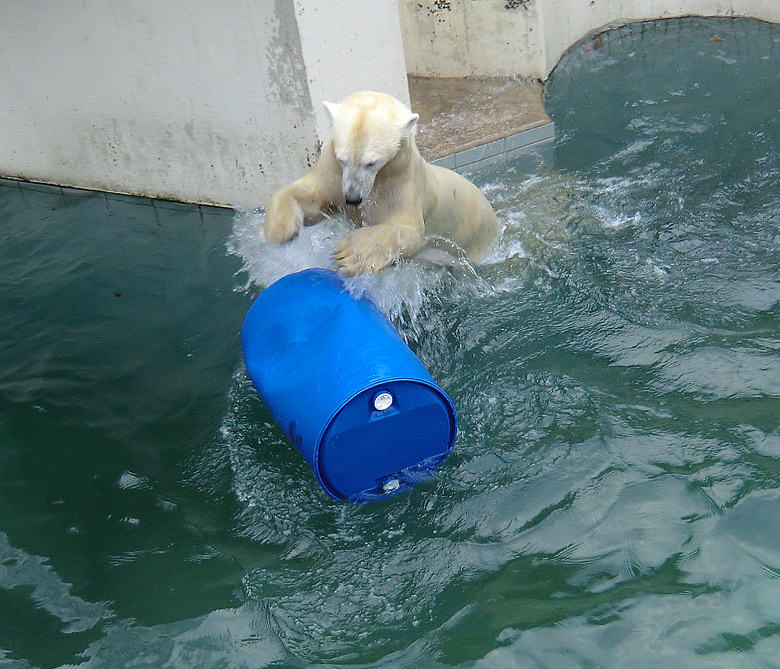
(411,122)
(333,109)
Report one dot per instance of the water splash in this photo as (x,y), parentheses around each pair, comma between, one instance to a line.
(400,291)
(265,263)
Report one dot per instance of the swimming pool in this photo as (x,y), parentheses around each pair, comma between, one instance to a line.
(613,496)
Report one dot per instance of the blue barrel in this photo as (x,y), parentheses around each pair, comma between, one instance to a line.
(346,389)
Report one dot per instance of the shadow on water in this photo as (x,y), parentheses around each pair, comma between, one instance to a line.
(613,495)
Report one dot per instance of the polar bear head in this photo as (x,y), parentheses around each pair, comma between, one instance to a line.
(368,131)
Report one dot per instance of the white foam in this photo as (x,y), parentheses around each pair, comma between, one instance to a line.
(402,290)
(265,263)
(399,290)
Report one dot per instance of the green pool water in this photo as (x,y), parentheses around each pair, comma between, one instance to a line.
(613,498)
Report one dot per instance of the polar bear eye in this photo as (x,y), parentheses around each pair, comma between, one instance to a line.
(371,164)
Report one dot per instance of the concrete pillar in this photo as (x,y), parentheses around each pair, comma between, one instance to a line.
(349,46)
(191,100)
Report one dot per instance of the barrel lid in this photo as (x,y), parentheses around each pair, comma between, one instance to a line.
(385,439)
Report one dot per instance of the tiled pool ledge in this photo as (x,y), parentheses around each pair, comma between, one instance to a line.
(470,123)
(129,207)
(500,151)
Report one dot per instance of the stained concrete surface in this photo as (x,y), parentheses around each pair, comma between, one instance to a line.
(461,113)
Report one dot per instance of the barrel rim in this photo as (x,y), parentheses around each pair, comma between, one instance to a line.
(375,384)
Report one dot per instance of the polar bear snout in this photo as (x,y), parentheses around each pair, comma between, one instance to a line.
(356,184)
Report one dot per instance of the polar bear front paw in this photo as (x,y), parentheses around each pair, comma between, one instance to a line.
(283,219)
(365,251)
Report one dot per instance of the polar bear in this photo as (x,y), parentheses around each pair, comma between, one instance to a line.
(374,172)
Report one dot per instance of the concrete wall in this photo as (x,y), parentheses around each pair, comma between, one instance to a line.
(462,38)
(565,22)
(456,38)
(221,102)
(212,102)
(349,46)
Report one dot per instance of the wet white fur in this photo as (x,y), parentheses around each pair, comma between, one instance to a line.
(373,160)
